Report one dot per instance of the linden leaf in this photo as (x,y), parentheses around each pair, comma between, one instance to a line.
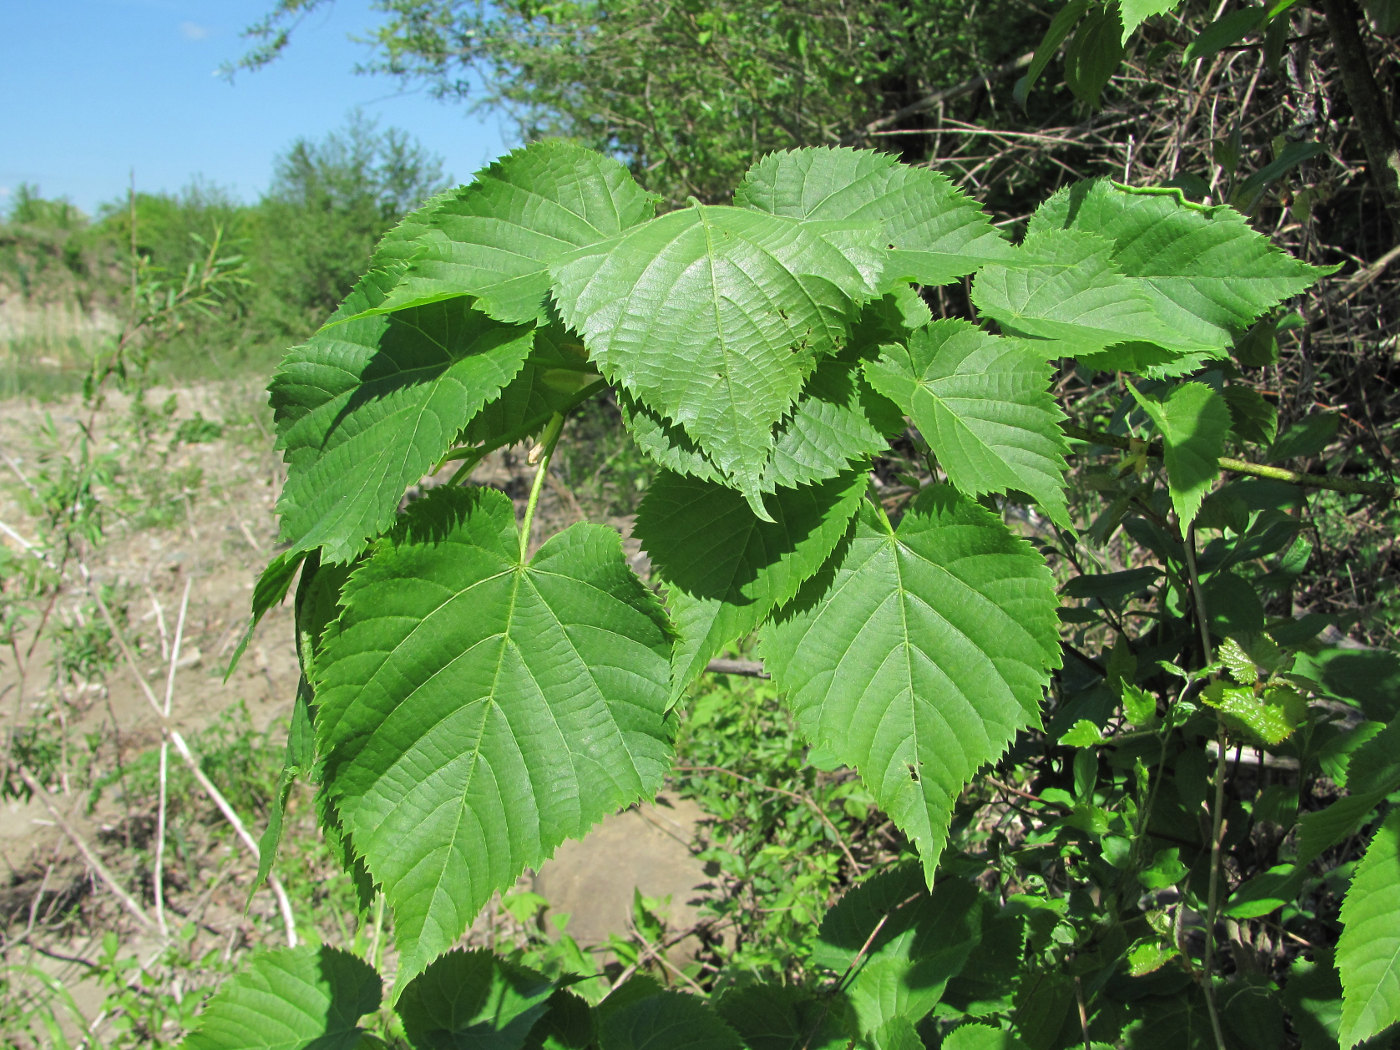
(919,653)
(476,711)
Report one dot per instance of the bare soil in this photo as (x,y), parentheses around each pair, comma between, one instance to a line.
(194,518)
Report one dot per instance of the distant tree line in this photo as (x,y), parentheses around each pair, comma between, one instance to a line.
(300,246)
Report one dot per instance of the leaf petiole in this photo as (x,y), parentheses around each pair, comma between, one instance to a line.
(541,455)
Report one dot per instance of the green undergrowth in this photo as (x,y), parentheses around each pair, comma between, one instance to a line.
(1056,761)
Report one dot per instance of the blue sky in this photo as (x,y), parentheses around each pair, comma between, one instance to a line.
(97,89)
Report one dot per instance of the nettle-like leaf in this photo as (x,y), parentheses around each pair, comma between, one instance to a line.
(473,1000)
(839,420)
(496,237)
(304,998)
(1207,273)
(1368,953)
(715,316)
(1194,422)
(983,404)
(367,407)
(476,710)
(786,1017)
(726,570)
(1134,12)
(900,943)
(664,1021)
(1064,286)
(933,232)
(918,653)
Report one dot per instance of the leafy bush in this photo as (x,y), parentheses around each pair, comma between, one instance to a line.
(1165,737)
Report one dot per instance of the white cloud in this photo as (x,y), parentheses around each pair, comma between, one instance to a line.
(193,31)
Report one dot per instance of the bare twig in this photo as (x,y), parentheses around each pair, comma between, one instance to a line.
(98,868)
(284,905)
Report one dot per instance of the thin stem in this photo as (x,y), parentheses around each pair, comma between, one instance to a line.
(1240,466)
(540,454)
(1217,814)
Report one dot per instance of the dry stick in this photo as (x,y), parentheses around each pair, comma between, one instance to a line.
(1379,137)
(1359,280)
(215,795)
(937,98)
(1240,466)
(98,868)
(162,804)
(747,668)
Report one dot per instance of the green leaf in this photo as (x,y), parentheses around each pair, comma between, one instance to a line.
(1293,153)
(933,232)
(1065,286)
(665,1021)
(918,653)
(838,421)
(1135,12)
(290,999)
(725,570)
(914,942)
(1368,953)
(1093,54)
(1228,29)
(983,404)
(1066,18)
(1206,272)
(1313,995)
(1268,718)
(898,1033)
(472,1000)
(785,1017)
(981,1037)
(715,317)
(1194,421)
(554,372)
(368,407)
(1252,418)
(475,712)
(496,238)
(1266,892)
(1322,829)
(269,590)
(1082,734)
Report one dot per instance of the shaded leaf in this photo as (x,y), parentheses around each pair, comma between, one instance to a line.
(726,570)
(367,407)
(897,945)
(665,1021)
(304,998)
(785,1017)
(472,1000)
